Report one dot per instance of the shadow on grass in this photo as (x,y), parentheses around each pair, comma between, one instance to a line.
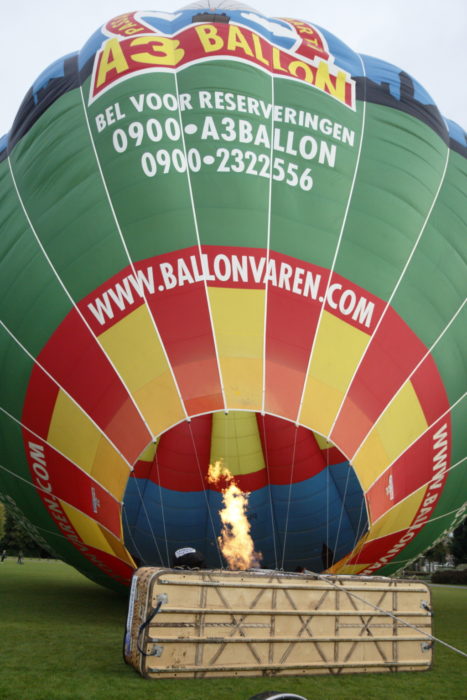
(37,589)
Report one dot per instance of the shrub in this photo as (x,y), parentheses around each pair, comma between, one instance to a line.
(453,576)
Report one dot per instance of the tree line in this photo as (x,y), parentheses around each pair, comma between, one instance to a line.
(14,536)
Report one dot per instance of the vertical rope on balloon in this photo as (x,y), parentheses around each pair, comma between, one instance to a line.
(206,497)
(271,504)
(161,491)
(290,495)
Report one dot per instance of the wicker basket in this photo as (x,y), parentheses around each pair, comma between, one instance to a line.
(188,624)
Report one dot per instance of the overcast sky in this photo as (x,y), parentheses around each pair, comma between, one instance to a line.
(427,38)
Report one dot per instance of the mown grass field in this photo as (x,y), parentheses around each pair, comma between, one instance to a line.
(61,638)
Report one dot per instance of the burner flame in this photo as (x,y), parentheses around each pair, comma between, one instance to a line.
(235,540)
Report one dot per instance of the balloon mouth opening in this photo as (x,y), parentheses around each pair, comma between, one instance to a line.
(305,506)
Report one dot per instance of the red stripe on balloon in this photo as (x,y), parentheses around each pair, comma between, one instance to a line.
(375,549)
(430,390)
(54,474)
(291,328)
(431,453)
(289,452)
(333,456)
(190,481)
(110,565)
(117,297)
(183,454)
(392,354)
(39,402)
(77,363)
(142,469)
(181,462)
(183,319)
(114,567)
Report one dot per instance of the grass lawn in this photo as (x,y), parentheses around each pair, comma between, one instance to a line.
(61,638)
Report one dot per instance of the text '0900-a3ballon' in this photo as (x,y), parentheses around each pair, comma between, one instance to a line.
(230,237)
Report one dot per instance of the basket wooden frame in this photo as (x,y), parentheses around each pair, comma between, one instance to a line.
(221,623)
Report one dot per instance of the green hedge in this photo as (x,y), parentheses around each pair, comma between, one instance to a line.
(455,576)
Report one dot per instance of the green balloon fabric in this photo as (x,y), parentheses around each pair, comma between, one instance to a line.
(228,236)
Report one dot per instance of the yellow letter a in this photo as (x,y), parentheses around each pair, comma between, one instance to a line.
(112,58)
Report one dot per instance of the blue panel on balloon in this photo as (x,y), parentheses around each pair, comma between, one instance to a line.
(312,523)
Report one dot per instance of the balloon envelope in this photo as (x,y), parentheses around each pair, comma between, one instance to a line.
(227,236)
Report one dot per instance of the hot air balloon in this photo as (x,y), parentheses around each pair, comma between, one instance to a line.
(228,236)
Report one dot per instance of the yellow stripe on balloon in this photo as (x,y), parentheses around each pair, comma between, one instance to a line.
(323,444)
(149,453)
(72,433)
(337,351)
(235,439)
(93,535)
(137,354)
(400,517)
(348,569)
(110,469)
(238,321)
(401,424)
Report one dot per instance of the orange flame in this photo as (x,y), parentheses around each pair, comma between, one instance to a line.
(235,539)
